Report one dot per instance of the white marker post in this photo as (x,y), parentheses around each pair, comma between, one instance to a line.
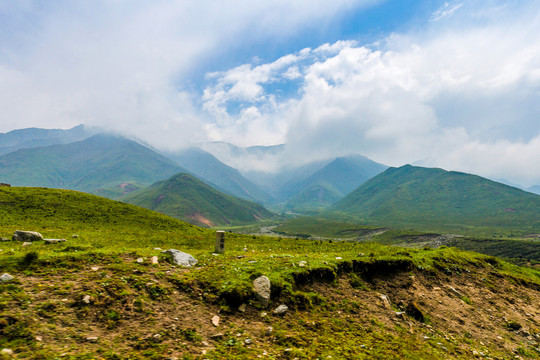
(220,242)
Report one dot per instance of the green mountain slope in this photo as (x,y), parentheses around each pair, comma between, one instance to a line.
(35,137)
(103,164)
(184,197)
(42,208)
(215,173)
(431,198)
(339,177)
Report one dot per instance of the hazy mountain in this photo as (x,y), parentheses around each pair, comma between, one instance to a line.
(343,175)
(215,173)
(314,197)
(102,164)
(271,182)
(534,189)
(184,197)
(430,197)
(35,137)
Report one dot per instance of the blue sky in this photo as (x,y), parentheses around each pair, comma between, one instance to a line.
(453,84)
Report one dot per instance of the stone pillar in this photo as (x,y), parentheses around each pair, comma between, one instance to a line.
(220,242)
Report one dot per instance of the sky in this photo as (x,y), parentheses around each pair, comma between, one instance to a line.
(451,84)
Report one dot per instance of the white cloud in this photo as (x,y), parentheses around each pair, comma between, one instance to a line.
(466,96)
(121,64)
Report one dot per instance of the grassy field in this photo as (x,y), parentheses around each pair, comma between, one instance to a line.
(503,243)
(332,288)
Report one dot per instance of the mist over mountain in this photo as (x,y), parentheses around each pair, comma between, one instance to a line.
(36,137)
(219,175)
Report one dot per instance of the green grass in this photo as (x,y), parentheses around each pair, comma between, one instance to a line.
(113,234)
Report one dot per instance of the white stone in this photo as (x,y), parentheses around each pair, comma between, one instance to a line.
(281,309)
(181,258)
(261,288)
(6,277)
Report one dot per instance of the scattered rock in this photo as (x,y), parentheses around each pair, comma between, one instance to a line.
(181,258)
(244,249)
(242,308)
(248,341)
(4,239)
(86,299)
(302,263)
(6,352)
(6,277)
(54,241)
(385,300)
(75,236)
(215,321)
(140,260)
(154,260)
(414,311)
(217,336)
(92,338)
(263,314)
(281,310)
(454,291)
(339,258)
(261,288)
(21,235)
(26,243)
(94,268)
(39,338)
(269,330)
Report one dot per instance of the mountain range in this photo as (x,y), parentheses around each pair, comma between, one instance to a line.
(194,184)
(35,137)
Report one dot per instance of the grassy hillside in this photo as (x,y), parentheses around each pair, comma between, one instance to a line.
(218,175)
(184,197)
(25,208)
(434,198)
(98,295)
(102,164)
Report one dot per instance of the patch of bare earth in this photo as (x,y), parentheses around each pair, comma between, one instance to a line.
(130,312)
(201,219)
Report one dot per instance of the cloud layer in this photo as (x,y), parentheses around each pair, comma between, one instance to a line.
(462,95)
(458,90)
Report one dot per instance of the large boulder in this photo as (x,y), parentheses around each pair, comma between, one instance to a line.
(261,289)
(181,258)
(21,235)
